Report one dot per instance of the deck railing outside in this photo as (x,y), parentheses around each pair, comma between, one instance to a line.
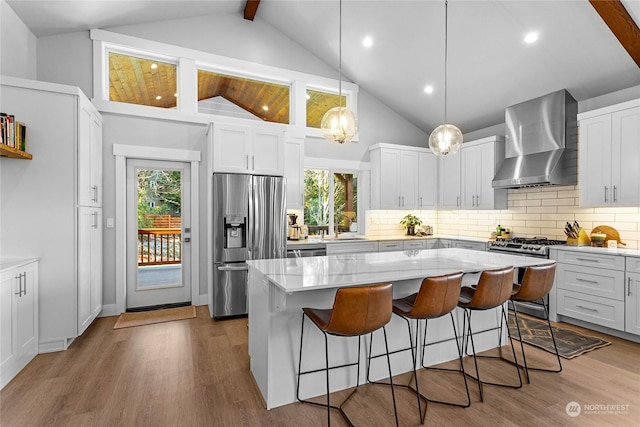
(159,246)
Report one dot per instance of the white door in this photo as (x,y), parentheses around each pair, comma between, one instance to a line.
(390,179)
(409,179)
(595,159)
(268,152)
(625,152)
(158,233)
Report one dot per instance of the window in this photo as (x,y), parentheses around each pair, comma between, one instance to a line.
(319,103)
(330,201)
(240,97)
(142,81)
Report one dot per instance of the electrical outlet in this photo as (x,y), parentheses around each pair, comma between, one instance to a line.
(109,222)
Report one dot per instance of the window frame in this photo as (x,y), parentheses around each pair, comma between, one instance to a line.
(188,62)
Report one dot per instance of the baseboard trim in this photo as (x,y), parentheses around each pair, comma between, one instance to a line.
(108,310)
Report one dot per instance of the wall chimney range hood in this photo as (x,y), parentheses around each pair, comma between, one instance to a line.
(541,143)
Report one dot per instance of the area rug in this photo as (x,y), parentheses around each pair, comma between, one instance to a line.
(570,343)
(127,320)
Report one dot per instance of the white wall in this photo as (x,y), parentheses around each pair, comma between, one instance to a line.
(68,59)
(17,45)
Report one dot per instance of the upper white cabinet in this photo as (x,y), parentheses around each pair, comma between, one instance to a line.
(89,154)
(609,153)
(19,323)
(479,162)
(246,149)
(59,190)
(465,178)
(294,172)
(402,177)
(449,182)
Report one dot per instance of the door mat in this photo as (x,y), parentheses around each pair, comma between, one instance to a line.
(127,320)
(570,343)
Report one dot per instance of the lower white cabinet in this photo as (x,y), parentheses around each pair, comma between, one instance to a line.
(351,247)
(390,245)
(466,244)
(19,317)
(89,266)
(632,296)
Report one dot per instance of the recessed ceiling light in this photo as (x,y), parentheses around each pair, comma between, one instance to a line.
(532,37)
(265,107)
(154,66)
(175,94)
(158,97)
(428,89)
(308,96)
(367,42)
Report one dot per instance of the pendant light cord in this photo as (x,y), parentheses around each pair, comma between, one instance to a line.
(446,19)
(340,56)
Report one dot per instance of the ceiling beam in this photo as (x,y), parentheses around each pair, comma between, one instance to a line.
(621,24)
(250,9)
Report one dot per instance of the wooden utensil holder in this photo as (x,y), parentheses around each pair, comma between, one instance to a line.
(582,240)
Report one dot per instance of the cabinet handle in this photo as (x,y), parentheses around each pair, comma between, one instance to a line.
(587,259)
(95,193)
(615,194)
(19,277)
(457,201)
(605,193)
(628,286)
(579,279)
(420,201)
(595,310)
(247,156)
(477,200)
(399,205)
(403,201)
(24,280)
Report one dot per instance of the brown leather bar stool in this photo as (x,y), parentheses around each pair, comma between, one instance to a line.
(536,284)
(437,297)
(493,290)
(356,311)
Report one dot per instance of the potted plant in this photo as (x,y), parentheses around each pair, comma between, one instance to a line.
(410,221)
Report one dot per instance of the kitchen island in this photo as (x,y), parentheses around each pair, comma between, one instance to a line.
(279,288)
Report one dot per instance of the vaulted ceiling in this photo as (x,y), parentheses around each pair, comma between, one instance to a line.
(489,68)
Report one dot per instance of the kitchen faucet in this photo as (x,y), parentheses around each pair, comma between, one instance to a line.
(337,221)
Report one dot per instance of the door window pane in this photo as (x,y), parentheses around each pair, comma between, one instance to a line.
(142,81)
(240,97)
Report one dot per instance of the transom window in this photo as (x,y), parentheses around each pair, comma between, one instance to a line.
(143,81)
(241,97)
(318,103)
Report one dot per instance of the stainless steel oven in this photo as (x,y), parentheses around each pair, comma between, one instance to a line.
(537,247)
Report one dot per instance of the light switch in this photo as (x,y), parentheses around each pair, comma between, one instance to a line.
(109,222)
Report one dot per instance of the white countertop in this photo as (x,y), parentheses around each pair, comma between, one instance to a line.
(318,242)
(333,271)
(620,250)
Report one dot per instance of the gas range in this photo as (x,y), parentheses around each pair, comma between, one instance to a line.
(536,246)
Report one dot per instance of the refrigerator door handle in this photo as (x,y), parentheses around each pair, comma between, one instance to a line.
(233,267)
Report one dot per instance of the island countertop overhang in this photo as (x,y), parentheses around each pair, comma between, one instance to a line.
(292,275)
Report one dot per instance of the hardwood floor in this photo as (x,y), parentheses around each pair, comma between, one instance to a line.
(196,373)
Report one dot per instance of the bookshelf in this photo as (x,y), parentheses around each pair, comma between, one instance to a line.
(14,153)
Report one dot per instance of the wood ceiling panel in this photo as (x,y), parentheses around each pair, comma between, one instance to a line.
(134,81)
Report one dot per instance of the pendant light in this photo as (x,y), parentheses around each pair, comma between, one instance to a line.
(339,123)
(446,139)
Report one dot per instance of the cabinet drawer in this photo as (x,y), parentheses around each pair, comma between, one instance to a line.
(592,281)
(414,244)
(601,311)
(474,246)
(633,264)
(390,245)
(351,248)
(589,259)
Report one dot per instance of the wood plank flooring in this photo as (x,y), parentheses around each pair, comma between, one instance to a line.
(196,373)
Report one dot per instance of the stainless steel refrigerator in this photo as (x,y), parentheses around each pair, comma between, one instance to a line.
(249,222)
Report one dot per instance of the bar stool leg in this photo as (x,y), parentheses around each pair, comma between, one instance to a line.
(467,313)
(393,394)
(524,357)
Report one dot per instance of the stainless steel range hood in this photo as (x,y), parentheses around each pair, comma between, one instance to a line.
(541,143)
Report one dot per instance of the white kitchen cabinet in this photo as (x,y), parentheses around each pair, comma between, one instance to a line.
(390,245)
(89,266)
(89,154)
(47,194)
(247,149)
(466,244)
(609,153)
(449,182)
(632,296)
(479,161)
(351,247)
(590,287)
(419,244)
(402,177)
(19,317)
(294,172)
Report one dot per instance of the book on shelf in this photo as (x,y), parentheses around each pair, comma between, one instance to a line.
(13,133)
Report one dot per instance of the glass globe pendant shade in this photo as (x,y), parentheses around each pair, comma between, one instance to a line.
(445,139)
(338,125)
